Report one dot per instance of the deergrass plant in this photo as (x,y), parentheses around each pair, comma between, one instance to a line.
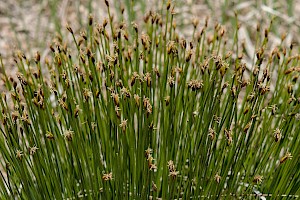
(132,111)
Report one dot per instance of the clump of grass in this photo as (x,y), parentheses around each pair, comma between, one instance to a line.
(137,112)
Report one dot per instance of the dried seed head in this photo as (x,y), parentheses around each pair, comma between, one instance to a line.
(137,99)
(171,81)
(218,178)
(107,177)
(245,83)
(49,136)
(173,174)
(15,115)
(167,100)
(287,156)
(76,111)
(168,4)
(172,48)
(277,134)
(195,84)
(63,104)
(69,29)
(147,78)
(146,42)
(106,3)
(156,71)
(290,88)
(217,119)
(257,179)
(148,152)
(123,125)
(195,22)
(19,154)
(247,126)
(171,165)
(188,56)
(154,187)
(134,76)
(21,79)
(68,134)
(135,26)
(273,108)
(211,133)
(32,150)
(37,57)
(86,94)
(115,97)
(91,18)
(228,136)
(125,92)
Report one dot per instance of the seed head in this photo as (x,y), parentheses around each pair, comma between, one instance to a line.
(49,135)
(125,92)
(137,99)
(69,29)
(115,97)
(148,152)
(76,111)
(32,150)
(173,174)
(195,84)
(211,133)
(247,126)
(257,179)
(218,178)
(19,154)
(171,165)
(69,135)
(86,94)
(167,100)
(195,22)
(287,156)
(107,177)
(154,187)
(117,110)
(277,134)
(147,78)
(171,81)
(123,125)
(228,136)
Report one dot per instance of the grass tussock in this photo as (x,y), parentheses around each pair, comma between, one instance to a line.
(129,111)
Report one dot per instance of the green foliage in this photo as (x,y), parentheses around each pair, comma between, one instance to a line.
(136,112)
